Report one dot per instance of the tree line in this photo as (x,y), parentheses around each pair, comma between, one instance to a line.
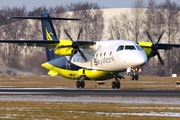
(132,25)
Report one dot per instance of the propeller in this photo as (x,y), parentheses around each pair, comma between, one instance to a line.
(75,45)
(155,47)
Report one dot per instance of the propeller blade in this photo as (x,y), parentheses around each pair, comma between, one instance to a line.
(149,36)
(79,34)
(160,59)
(75,45)
(82,54)
(160,37)
(68,35)
(74,52)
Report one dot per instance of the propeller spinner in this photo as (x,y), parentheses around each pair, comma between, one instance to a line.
(75,45)
(155,47)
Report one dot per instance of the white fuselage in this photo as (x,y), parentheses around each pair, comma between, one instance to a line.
(112,55)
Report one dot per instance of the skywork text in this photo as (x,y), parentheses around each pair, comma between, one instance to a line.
(104,60)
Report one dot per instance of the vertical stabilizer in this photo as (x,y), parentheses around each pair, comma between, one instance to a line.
(48,33)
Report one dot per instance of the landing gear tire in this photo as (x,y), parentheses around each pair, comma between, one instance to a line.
(114,85)
(118,85)
(82,84)
(78,84)
(134,77)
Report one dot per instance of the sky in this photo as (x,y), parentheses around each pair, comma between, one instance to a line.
(30,4)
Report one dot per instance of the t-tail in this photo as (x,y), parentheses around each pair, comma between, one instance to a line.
(48,34)
(47,29)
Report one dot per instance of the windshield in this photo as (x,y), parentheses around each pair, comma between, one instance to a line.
(130,47)
(138,47)
(127,47)
(121,47)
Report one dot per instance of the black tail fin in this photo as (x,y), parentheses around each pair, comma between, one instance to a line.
(47,29)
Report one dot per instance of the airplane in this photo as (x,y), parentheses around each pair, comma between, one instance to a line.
(91,60)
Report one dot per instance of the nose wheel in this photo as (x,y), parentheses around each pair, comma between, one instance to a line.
(134,77)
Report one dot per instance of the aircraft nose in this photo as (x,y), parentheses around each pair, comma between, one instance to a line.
(141,59)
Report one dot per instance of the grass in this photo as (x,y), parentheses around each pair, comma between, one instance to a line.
(82,111)
(58,82)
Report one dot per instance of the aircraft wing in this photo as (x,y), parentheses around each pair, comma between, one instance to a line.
(164,46)
(151,49)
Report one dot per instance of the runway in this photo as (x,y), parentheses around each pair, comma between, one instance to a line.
(89,92)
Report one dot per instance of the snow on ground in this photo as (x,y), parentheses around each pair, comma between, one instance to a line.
(157,114)
(88,99)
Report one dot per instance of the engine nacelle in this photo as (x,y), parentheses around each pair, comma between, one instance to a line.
(64,48)
(63,43)
(64,51)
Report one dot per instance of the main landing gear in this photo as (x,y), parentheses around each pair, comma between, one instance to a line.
(80,83)
(116,83)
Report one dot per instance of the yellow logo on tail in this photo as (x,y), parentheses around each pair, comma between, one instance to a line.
(48,35)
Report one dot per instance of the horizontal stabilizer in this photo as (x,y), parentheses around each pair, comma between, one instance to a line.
(43,43)
(36,43)
(42,18)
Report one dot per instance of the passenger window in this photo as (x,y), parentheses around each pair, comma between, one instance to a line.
(110,52)
(121,47)
(104,53)
(100,54)
(96,55)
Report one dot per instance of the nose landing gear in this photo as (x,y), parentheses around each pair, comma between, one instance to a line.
(135,75)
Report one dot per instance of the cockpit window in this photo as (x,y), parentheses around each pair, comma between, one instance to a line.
(130,47)
(138,47)
(121,47)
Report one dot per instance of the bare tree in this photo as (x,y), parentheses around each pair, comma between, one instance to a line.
(170,12)
(92,21)
(137,18)
(13,30)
